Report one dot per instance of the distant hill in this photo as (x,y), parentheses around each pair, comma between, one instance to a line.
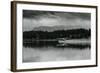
(55,28)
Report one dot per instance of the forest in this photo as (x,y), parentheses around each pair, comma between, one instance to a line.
(68,34)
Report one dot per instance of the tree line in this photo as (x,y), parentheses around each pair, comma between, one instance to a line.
(69,34)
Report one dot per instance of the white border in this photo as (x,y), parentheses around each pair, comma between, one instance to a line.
(21,65)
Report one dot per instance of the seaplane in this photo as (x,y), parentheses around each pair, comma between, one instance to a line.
(73,42)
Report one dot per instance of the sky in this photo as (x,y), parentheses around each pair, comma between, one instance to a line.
(65,20)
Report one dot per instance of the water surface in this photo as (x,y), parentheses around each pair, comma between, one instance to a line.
(43,51)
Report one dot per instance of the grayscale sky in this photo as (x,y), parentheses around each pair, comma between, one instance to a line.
(33,20)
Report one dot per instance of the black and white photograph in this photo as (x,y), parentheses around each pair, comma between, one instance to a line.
(56,36)
(52,36)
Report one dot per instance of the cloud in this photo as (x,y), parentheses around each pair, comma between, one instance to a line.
(50,19)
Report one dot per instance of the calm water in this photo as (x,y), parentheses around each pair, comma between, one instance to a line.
(43,51)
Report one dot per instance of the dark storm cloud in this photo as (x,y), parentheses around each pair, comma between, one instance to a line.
(33,14)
